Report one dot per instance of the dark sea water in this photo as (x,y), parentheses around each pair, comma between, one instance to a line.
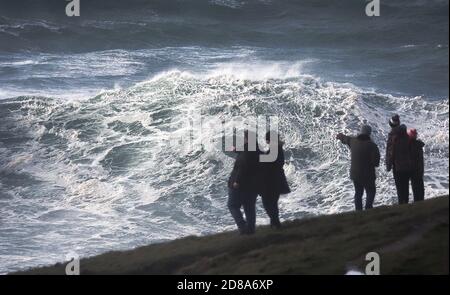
(85,100)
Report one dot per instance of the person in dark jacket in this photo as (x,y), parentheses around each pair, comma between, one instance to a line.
(394,122)
(274,182)
(365,157)
(398,164)
(417,165)
(401,163)
(243,188)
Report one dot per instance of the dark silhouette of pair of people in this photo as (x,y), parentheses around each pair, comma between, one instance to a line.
(251,177)
(404,156)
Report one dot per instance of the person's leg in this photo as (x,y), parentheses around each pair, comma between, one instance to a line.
(275,221)
(370,194)
(418,188)
(397,180)
(267,204)
(270,204)
(234,205)
(405,187)
(249,202)
(402,183)
(359,191)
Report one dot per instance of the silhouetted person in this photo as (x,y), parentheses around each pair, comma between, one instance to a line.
(400,173)
(394,122)
(400,158)
(243,188)
(365,157)
(417,165)
(274,181)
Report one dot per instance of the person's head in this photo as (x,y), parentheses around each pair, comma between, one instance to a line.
(394,121)
(402,130)
(365,130)
(412,133)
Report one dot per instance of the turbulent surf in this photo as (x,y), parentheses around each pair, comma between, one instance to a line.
(84,104)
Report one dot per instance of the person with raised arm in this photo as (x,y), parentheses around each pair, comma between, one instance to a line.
(365,157)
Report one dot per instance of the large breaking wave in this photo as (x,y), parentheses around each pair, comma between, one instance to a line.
(85,102)
(88,175)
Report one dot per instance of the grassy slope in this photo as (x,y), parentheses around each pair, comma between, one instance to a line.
(411,239)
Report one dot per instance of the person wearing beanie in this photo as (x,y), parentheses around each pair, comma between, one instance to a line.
(417,165)
(365,157)
(401,163)
(394,122)
(412,134)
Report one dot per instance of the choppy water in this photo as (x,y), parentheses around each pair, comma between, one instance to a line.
(85,103)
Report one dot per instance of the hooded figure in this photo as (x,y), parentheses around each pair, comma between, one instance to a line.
(417,165)
(365,157)
(274,182)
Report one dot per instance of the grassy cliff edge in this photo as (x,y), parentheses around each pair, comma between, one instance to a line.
(410,239)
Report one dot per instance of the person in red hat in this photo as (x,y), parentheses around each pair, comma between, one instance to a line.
(417,165)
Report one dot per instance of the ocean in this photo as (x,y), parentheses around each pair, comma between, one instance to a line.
(85,102)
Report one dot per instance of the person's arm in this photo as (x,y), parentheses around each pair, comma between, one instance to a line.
(389,154)
(241,169)
(421,160)
(280,158)
(344,139)
(376,156)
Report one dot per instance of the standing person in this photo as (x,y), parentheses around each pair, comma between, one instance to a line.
(417,165)
(365,157)
(394,122)
(401,163)
(243,188)
(400,173)
(274,182)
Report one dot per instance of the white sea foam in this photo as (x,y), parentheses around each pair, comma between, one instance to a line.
(100,162)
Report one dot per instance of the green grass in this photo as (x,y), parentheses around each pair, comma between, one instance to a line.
(411,239)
